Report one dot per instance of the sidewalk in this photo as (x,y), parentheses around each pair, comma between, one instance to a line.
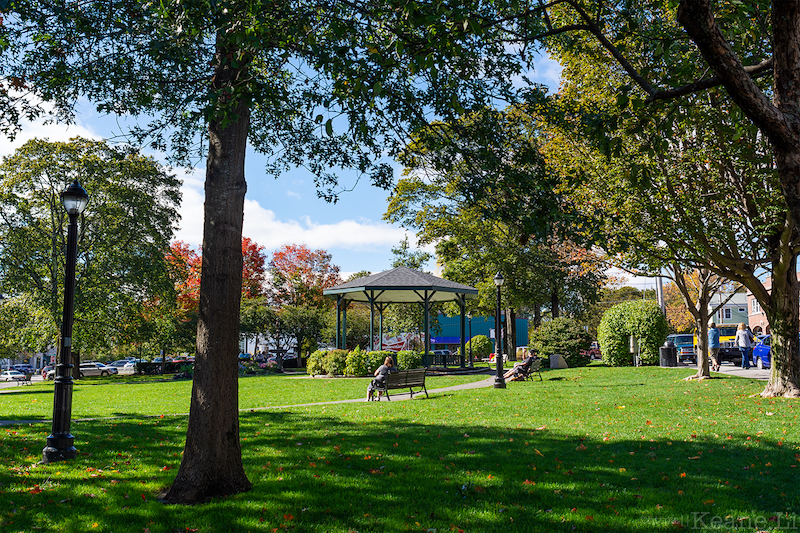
(733,370)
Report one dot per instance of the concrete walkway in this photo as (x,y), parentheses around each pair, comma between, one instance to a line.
(733,370)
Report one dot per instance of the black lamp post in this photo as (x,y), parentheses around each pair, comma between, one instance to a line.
(469,316)
(60,442)
(499,380)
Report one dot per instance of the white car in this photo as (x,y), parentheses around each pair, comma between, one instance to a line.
(12,375)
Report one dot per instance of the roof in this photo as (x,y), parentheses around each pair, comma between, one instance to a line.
(402,285)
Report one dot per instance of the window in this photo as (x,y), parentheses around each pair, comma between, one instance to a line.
(755,306)
(726,314)
(742,309)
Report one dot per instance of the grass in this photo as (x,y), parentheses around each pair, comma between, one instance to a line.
(153,395)
(594,449)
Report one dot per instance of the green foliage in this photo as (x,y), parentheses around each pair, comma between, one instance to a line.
(642,319)
(357,362)
(481,347)
(360,363)
(408,359)
(124,237)
(327,362)
(562,336)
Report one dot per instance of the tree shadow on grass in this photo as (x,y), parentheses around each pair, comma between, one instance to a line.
(355,468)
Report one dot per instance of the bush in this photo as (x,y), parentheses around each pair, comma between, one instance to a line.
(562,336)
(408,359)
(481,346)
(323,362)
(360,363)
(315,365)
(640,318)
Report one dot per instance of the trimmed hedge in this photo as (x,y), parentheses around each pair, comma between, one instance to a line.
(562,336)
(642,319)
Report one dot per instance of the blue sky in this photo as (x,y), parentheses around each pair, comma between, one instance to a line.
(284,210)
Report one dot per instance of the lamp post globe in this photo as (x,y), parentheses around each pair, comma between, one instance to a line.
(60,443)
(499,380)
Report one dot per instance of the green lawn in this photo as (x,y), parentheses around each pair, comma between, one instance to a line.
(594,449)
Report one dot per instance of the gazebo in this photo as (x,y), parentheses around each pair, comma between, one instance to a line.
(399,285)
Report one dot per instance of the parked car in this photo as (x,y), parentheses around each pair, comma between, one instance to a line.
(47,369)
(685,346)
(594,351)
(110,369)
(12,375)
(25,369)
(94,369)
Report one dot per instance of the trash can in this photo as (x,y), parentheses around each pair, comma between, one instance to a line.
(668,354)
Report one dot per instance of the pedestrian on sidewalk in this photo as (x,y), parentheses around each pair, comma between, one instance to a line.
(713,346)
(744,340)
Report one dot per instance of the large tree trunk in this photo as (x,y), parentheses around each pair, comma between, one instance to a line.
(782,310)
(212,457)
(511,333)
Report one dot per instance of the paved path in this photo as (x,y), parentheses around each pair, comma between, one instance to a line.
(733,370)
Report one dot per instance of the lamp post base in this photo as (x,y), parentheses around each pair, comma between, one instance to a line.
(499,382)
(59,448)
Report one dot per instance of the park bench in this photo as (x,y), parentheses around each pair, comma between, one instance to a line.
(404,379)
(27,380)
(535,368)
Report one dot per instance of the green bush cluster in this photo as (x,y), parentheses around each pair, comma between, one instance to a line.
(408,359)
(324,362)
(360,363)
(562,336)
(481,347)
(640,318)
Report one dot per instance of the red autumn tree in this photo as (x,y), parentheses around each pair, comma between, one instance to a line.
(185,266)
(299,275)
(254,271)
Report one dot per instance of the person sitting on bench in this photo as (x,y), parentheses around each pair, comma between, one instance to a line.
(522,368)
(380,377)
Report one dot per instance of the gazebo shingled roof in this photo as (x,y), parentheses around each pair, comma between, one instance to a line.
(401,285)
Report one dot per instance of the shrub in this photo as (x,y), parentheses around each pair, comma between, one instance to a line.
(315,365)
(562,336)
(324,362)
(481,346)
(360,363)
(335,361)
(642,319)
(408,359)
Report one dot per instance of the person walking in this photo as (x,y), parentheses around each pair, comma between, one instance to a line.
(713,346)
(744,340)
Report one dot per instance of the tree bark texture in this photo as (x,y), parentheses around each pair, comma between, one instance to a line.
(782,312)
(212,457)
(511,333)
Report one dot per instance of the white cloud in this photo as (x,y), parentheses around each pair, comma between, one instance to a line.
(52,132)
(264,227)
